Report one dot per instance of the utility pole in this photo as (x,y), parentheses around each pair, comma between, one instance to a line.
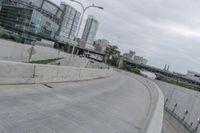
(31,51)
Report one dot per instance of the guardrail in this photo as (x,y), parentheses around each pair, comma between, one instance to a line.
(181,120)
(183,104)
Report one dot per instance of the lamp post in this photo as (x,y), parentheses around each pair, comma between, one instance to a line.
(166,100)
(198,122)
(175,105)
(185,113)
(84,9)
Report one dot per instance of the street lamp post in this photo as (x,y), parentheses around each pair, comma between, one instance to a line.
(185,113)
(198,123)
(166,100)
(79,26)
(175,106)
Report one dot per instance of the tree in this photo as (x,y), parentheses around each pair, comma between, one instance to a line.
(112,55)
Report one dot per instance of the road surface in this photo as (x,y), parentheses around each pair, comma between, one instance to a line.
(118,104)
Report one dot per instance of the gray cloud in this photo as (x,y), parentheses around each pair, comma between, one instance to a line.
(163,31)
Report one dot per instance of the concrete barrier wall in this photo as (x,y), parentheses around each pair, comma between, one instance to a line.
(186,100)
(13,51)
(154,119)
(155,123)
(23,73)
(88,73)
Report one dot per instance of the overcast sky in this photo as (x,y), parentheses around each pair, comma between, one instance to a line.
(163,31)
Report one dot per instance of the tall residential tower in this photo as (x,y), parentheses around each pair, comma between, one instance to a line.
(69,23)
(90,31)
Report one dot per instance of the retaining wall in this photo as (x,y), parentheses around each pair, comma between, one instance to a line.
(23,73)
(185,99)
(13,51)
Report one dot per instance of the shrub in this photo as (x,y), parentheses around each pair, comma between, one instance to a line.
(178,82)
(10,37)
(131,69)
(5,36)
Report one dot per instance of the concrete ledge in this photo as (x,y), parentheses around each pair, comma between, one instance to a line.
(155,123)
(154,119)
(23,73)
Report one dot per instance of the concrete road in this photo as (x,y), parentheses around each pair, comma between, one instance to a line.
(118,104)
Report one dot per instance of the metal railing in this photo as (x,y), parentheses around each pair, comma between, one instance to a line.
(181,120)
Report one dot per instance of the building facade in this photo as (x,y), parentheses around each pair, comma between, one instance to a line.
(140,60)
(69,23)
(47,7)
(130,55)
(90,31)
(101,45)
(43,25)
(81,43)
(26,20)
(193,75)
(15,18)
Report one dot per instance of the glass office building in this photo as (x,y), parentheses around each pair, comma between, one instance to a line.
(69,23)
(35,19)
(15,18)
(27,21)
(43,25)
(48,7)
(90,31)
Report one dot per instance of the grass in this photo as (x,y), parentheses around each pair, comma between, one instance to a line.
(178,82)
(131,69)
(45,61)
(10,37)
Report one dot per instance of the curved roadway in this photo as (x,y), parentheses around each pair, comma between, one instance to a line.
(118,104)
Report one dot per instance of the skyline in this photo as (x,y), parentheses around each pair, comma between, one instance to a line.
(157,30)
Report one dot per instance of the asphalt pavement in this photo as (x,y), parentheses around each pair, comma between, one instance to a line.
(118,104)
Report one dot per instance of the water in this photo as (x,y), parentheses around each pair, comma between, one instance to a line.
(149,74)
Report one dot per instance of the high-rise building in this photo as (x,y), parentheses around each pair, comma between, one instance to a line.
(24,20)
(101,45)
(27,20)
(90,31)
(130,55)
(46,6)
(140,60)
(69,23)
